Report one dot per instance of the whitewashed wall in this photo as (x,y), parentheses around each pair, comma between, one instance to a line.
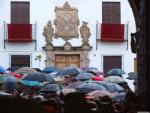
(88,10)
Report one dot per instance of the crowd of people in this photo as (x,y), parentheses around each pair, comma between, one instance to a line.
(21,98)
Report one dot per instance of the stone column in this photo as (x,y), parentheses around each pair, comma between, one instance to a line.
(143,56)
(84,60)
(50,59)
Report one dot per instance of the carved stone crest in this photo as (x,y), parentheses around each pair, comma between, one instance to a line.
(67,46)
(66,22)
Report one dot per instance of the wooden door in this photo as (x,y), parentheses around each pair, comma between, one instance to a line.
(62,61)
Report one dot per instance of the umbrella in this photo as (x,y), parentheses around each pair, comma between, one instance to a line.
(111,87)
(69,71)
(31,83)
(8,78)
(50,88)
(132,76)
(49,69)
(40,77)
(100,93)
(113,79)
(75,84)
(88,87)
(13,68)
(19,76)
(84,76)
(2,70)
(98,78)
(119,97)
(25,70)
(37,69)
(9,82)
(66,91)
(115,71)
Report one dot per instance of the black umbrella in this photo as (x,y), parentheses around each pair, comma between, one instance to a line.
(132,76)
(119,97)
(69,71)
(51,88)
(13,68)
(111,87)
(50,69)
(115,71)
(88,87)
(40,77)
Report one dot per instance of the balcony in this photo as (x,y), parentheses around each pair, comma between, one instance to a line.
(19,33)
(115,33)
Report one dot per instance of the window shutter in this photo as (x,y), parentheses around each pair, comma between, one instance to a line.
(20,12)
(111,12)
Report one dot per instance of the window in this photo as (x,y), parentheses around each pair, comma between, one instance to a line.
(20,12)
(111,12)
(110,62)
(20,60)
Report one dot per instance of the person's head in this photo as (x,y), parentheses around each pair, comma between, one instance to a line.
(105,104)
(131,101)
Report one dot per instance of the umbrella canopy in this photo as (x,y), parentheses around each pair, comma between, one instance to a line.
(98,78)
(19,76)
(40,77)
(111,87)
(13,68)
(25,70)
(115,71)
(75,84)
(49,70)
(69,71)
(113,79)
(66,91)
(88,87)
(37,69)
(8,78)
(100,93)
(50,88)
(132,76)
(84,76)
(119,97)
(2,70)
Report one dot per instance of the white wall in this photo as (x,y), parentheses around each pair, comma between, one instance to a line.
(88,10)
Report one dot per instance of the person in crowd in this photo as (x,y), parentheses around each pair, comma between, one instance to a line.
(131,102)
(16,104)
(75,102)
(118,106)
(105,105)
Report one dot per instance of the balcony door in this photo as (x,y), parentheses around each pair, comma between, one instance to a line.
(20,12)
